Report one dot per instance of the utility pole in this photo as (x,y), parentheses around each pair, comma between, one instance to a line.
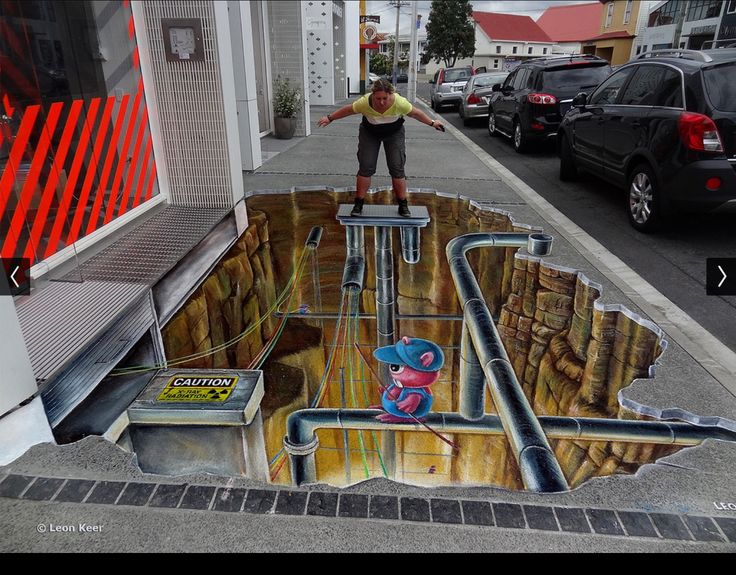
(411,89)
(398,4)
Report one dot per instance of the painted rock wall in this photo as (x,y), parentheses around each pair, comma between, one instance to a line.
(571,355)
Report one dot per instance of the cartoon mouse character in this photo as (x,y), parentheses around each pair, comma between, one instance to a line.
(415,365)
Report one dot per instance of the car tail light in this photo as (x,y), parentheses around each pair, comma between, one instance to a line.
(474,99)
(544,99)
(537,126)
(713,184)
(441,78)
(699,132)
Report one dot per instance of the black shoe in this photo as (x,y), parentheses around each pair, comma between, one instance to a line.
(357,207)
(404,208)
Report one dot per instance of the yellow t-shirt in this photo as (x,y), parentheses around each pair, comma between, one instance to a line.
(401,107)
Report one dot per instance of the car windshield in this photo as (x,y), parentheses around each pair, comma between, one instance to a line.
(575,76)
(720,86)
(456,75)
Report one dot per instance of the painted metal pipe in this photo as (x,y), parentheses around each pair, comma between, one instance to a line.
(314,237)
(539,467)
(355,240)
(385,297)
(301,440)
(472,381)
(410,241)
(353,273)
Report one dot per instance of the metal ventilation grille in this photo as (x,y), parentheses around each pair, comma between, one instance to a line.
(64,318)
(145,254)
(191,110)
(88,370)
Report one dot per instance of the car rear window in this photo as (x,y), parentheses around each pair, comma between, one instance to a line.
(575,76)
(489,80)
(720,85)
(456,75)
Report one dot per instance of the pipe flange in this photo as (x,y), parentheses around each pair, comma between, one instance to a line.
(301,448)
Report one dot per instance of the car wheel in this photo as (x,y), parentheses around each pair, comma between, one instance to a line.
(521,143)
(433,105)
(646,206)
(568,169)
(492,131)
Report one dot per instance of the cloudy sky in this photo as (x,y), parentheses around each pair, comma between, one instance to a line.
(387,12)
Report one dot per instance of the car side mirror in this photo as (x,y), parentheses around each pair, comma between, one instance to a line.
(496,88)
(580,100)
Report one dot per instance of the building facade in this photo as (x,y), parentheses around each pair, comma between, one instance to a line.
(503,41)
(617,31)
(113,110)
(689,24)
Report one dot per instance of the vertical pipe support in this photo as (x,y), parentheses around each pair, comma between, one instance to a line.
(472,381)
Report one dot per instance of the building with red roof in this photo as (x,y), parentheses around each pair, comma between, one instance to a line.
(502,41)
(569,25)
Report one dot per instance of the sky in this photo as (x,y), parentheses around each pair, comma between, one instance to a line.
(387,12)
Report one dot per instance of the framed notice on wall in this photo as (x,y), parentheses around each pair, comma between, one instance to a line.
(183,39)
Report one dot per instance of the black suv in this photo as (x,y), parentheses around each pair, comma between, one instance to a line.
(530,103)
(663,127)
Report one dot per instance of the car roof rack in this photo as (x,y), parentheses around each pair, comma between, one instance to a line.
(676,53)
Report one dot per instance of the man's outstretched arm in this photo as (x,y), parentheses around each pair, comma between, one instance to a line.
(420,116)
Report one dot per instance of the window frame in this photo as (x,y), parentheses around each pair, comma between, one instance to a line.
(636,68)
(629,70)
(609,15)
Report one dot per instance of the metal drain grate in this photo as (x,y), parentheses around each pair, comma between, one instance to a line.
(148,252)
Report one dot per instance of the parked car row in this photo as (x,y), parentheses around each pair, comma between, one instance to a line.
(662,127)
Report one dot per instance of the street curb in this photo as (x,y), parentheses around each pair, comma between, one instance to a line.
(478,513)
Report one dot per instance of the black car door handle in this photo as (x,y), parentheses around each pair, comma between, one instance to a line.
(636,124)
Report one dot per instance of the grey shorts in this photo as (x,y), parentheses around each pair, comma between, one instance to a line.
(394,146)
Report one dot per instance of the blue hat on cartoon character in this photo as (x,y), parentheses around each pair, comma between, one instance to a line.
(419,354)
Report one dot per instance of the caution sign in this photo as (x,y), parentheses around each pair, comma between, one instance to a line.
(193,388)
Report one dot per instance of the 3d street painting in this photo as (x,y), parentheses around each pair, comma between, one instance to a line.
(283,307)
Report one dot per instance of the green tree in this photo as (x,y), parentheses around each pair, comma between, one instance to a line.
(381,64)
(450,31)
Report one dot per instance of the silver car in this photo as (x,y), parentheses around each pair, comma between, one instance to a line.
(446,87)
(476,95)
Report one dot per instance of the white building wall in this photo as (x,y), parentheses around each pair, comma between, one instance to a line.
(318,26)
(17,382)
(288,52)
(567,48)
(352,45)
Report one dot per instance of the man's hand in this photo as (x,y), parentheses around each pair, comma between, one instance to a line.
(323,121)
(439,126)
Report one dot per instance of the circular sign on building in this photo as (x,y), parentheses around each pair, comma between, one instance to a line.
(370,31)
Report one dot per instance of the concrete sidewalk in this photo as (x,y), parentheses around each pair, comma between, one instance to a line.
(684,502)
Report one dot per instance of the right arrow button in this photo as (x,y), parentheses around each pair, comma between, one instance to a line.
(720,277)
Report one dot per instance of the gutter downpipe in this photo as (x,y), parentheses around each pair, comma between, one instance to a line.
(301,441)
(540,470)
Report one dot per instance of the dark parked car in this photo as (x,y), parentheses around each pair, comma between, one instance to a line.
(477,94)
(446,87)
(402,78)
(531,102)
(663,127)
